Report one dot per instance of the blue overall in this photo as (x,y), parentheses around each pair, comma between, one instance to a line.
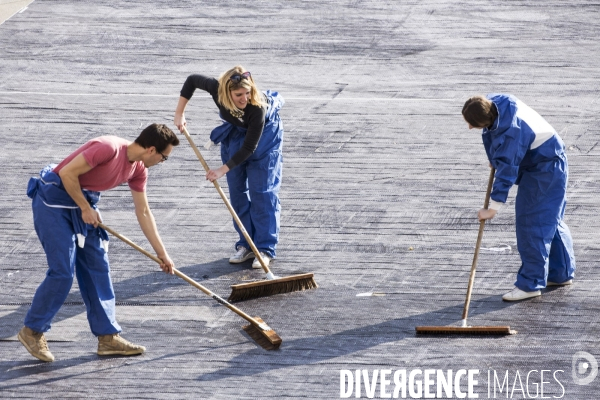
(72,247)
(526,151)
(254,184)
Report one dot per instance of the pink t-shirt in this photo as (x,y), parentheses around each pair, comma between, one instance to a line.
(107,155)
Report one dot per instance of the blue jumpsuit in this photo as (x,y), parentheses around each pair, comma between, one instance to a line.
(526,151)
(254,185)
(72,248)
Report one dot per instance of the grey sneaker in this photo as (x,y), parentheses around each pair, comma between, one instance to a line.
(110,345)
(518,294)
(266,259)
(241,254)
(35,343)
(565,283)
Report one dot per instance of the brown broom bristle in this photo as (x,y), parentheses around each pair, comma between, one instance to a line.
(253,290)
(268,340)
(477,330)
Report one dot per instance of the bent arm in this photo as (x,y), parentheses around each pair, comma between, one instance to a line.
(190,85)
(69,176)
(148,225)
(197,81)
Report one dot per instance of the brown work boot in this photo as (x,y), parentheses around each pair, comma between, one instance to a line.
(35,343)
(110,345)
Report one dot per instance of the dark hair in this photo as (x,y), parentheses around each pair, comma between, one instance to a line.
(157,135)
(479,112)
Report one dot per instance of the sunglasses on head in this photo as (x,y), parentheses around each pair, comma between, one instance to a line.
(237,78)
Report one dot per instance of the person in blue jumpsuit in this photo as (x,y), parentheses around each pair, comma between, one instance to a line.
(251,139)
(526,151)
(66,217)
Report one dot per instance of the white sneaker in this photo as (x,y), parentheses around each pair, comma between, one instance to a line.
(565,283)
(518,294)
(242,254)
(256,264)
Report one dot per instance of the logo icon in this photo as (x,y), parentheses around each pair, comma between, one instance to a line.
(584,368)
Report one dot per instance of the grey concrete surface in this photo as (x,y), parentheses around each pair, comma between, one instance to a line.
(382,181)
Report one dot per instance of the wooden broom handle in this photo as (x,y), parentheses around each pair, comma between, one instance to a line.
(182,276)
(227,203)
(478,245)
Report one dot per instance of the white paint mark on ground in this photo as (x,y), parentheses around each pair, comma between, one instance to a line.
(370,294)
(503,247)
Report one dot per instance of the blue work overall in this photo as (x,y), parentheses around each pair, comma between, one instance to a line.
(72,248)
(254,185)
(526,151)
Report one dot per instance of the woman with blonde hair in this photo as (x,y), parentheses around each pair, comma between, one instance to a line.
(251,139)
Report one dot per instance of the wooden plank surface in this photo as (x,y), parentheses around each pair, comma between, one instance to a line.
(382,181)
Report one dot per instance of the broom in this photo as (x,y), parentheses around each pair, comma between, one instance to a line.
(258,330)
(465,329)
(272,285)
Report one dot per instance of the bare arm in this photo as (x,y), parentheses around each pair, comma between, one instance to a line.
(69,175)
(180,113)
(148,225)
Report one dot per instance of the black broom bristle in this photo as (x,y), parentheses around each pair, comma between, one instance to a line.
(268,340)
(270,287)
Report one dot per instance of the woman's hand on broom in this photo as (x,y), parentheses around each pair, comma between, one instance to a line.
(180,122)
(215,174)
(180,114)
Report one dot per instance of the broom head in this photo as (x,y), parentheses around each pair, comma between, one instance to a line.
(270,287)
(474,330)
(268,339)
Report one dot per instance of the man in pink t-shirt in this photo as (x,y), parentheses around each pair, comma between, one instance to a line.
(110,166)
(66,220)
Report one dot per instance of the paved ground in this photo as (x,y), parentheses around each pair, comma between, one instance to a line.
(382,180)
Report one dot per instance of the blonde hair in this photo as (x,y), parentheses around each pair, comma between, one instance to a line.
(226,86)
